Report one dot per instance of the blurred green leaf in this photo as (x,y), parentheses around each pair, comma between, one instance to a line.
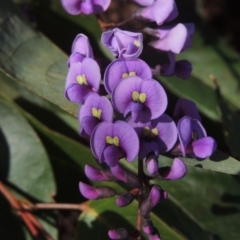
(24,166)
(31,59)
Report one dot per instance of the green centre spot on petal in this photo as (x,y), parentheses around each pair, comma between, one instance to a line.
(136,43)
(146,131)
(194,135)
(135,96)
(124,75)
(81,79)
(132,74)
(97,113)
(154,132)
(142,97)
(112,141)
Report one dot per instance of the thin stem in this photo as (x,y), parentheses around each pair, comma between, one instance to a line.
(57,206)
(140,197)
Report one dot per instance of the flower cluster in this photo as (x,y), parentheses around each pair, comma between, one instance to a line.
(145,131)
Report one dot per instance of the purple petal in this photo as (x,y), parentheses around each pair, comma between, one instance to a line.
(94,6)
(174,40)
(148,227)
(92,72)
(186,107)
(77,93)
(114,72)
(82,45)
(87,191)
(167,132)
(111,155)
(72,7)
(160,11)
(88,123)
(204,147)
(185,133)
(168,69)
(176,171)
(129,141)
(104,4)
(96,174)
(152,164)
(183,69)
(124,199)
(145,149)
(74,58)
(198,128)
(119,173)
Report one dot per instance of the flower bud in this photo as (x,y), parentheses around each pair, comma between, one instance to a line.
(94,193)
(124,199)
(120,233)
(154,236)
(96,174)
(152,164)
(125,176)
(176,171)
(148,227)
(156,194)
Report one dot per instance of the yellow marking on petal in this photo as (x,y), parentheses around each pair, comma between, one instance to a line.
(97,113)
(142,97)
(154,132)
(132,74)
(81,79)
(146,131)
(109,140)
(135,96)
(137,43)
(124,75)
(194,135)
(116,141)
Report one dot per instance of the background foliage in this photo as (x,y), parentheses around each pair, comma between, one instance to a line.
(42,156)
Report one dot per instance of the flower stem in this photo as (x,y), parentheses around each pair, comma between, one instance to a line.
(140,197)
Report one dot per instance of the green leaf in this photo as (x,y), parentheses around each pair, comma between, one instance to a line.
(24,164)
(211,197)
(31,59)
(219,162)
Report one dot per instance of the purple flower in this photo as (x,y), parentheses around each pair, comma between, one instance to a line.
(96,174)
(76,7)
(150,230)
(176,171)
(95,109)
(145,99)
(83,78)
(160,11)
(157,136)
(193,138)
(123,44)
(120,233)
(123,68)
(186,107)
(181,68)
(175,39)
(156,194)
(112,141)
(94,193)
